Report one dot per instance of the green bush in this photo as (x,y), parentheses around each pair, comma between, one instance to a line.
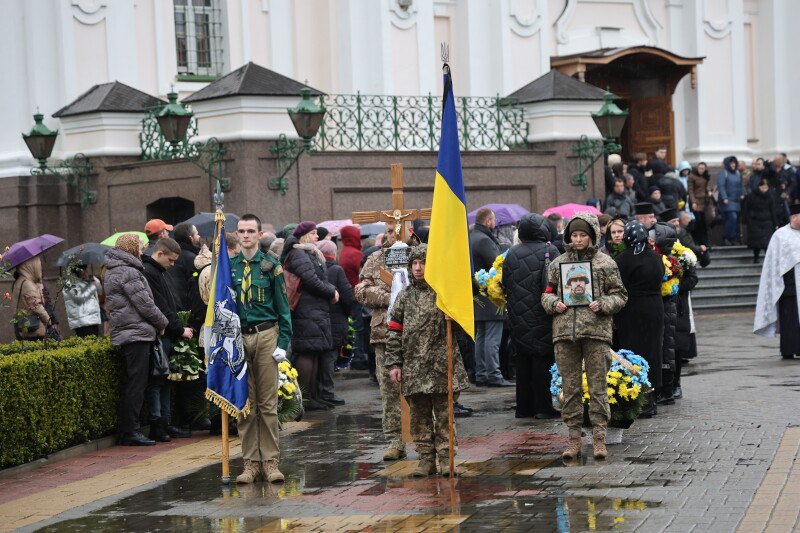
(56,396)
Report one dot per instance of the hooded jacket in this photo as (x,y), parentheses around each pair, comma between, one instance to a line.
(672,190)
(525,279)
(418,339)
(374,294)
(729,185)
(30,295)
(350,256)
(82,303)
(133,313)
(580,322)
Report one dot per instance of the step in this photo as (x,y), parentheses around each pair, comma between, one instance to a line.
(709,308)
(740,259)
(739,269)
(704,289)
(730,250)
(725,295)
(728,279)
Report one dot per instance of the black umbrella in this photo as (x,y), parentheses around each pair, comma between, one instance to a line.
(88,254)
(205,224)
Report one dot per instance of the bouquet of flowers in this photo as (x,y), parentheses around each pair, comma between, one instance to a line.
(290,398)
(185,363)
(627,382)
(672,275)
(491,283)
(346,353)
(685,256)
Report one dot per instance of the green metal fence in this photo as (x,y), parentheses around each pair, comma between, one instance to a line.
(374,122)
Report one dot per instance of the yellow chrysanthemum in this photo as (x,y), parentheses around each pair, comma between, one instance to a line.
(612,400)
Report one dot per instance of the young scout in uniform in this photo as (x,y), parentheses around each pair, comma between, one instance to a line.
(582,335)
(416,354)
(266,332)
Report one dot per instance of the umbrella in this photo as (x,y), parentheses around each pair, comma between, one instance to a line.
(504,214)
(570,210)
(335,226)
(20,252)
(87,254)
(112,241)
(368,230)
(206,225)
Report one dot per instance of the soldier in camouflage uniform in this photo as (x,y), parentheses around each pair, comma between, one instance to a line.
(582,335)
(416,353)
(373,293)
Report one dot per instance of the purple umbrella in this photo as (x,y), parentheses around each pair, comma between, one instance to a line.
(24,250)
(504,213)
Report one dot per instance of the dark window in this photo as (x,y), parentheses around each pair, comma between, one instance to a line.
(198,37)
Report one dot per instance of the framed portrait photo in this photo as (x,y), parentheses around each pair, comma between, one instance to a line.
(577,283)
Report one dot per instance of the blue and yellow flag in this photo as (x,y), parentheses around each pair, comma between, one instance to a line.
(227,367)
(448,266)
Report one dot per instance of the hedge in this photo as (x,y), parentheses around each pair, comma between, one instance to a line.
(56,396)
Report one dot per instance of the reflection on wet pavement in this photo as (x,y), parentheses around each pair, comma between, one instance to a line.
(335,481)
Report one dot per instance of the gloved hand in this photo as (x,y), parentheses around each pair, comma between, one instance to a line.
(279,355)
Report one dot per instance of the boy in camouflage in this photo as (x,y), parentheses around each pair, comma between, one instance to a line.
(416,354)
(582,335)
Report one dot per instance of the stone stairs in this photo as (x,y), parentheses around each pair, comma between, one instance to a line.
(729,283)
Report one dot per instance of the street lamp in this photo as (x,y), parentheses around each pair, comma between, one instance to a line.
(307,118)
(75,171)
(173,119)
(610,120)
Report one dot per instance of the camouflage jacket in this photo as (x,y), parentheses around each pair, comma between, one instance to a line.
(581,322)
(373,293)
(418,341)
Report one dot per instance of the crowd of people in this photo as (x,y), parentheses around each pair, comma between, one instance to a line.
(307,295)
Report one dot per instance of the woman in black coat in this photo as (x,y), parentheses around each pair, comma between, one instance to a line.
(685,343)
(640,324)
(761,218)
(524,279)
(311,319)
(340,311)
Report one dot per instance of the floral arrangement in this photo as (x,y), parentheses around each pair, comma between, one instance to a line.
(627,383)
(346,353)
(290,398)
(672,275)
(491,283)
(685,256)
(185,363)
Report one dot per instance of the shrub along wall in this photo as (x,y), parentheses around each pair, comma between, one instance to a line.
(55,396)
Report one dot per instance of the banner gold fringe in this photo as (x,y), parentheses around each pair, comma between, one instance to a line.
(227,406)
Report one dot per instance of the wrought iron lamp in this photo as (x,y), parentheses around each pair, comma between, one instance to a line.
(75,171)
(610,120)
(173,121)
(307,118)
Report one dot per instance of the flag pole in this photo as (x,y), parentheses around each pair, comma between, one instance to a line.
(226,452)
(450,415)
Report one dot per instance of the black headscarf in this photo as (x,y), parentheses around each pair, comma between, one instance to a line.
(635,236)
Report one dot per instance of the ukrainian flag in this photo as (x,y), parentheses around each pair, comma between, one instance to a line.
(227,367)
(448,266)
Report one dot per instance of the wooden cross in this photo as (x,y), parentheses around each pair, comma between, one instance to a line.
(397,220)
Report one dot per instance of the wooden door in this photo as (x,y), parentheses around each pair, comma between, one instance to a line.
(650,125)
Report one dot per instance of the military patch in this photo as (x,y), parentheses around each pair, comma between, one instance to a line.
(278,271)
(266,265)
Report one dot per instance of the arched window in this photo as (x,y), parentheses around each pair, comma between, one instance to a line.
(172,210)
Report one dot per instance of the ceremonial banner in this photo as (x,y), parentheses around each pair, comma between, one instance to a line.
(448,269)
(227,367)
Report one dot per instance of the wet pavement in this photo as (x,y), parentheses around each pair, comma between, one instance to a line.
(697,465)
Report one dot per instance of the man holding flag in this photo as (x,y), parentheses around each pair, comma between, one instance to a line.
(255,280)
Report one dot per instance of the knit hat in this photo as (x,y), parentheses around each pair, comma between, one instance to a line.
(578,224)
(328,248)
(794,209)
(614,159)
(322,232)
(129,243)
(653,189)
(304,227)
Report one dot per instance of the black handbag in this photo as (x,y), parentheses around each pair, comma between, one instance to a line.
(159,362)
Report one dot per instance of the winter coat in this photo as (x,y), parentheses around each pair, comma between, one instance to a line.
(761,218)
(619,204)
(311,319)
(660,166)
(29,295)
(755,179)
(672,190)
(640,184)
(524,280)
(339,311)
(699,189)
(580,322)
(159,281)
(658,207)
(180,275)
(82,302)
(133,313)
(683,324)
(729,184)
(351,255)
(374,294)
(640,324)
(417,340)
(485,250)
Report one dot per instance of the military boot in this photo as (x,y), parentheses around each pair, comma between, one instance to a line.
(573,449)
(251,472)
(271,471)
(426,466)
(393,453)
(444,466)
(599,446)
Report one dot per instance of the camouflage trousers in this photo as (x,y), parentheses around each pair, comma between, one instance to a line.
(571,357)
(390,398)
(429,424)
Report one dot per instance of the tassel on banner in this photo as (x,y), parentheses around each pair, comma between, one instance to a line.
(227,406)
